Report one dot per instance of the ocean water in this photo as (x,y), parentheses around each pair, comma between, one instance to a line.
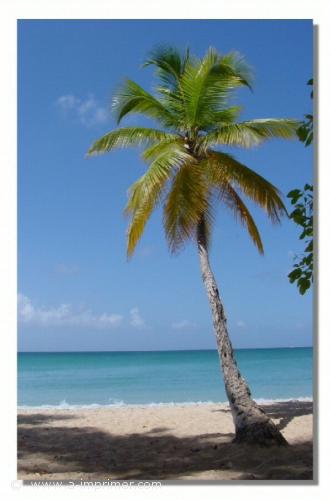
(166,377)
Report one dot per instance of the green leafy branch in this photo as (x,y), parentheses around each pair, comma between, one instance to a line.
(305,131)
(302,215)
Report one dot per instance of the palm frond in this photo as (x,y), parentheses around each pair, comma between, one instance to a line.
(206,85)
(223,167)
(174,101)
(252,133)
(127,137)
(169,63)
(185,204)
(174,143)
(225,116)
(131,98)
(193,83)
(234,202)
(236,66)
(145,194)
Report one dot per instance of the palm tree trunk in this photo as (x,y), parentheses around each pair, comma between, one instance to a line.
(252,425)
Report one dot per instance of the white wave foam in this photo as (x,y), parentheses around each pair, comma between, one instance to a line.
(301,399)
(63,405)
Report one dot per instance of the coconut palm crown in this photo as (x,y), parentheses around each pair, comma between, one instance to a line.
(187,170)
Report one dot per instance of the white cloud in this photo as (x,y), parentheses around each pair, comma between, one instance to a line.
(136,319)
(241,324)
(88,111)
(64,315)
(183,325)
(67,102)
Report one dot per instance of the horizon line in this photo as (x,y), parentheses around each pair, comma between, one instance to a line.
(163,350)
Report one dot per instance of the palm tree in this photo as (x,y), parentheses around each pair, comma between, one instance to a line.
(188,174)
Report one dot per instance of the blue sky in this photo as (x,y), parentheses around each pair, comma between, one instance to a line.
(76,289)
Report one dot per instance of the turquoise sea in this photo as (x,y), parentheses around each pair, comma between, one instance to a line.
(76,379)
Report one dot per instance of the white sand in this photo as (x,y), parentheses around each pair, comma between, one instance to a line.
(160,442)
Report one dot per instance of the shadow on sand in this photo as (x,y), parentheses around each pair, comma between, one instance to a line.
(52,450)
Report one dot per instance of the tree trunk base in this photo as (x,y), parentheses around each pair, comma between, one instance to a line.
(260,433)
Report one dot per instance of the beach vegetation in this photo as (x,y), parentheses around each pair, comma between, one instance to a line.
(302,214)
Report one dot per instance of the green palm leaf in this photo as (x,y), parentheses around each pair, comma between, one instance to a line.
(169,64)
(145,194)
(222,167)
(131,98)
(206,85)
(172,143)
(128,137)
(186,203)
(252,133)
(233,201)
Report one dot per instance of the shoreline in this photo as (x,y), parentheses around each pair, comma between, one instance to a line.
(121,404)
(167,442)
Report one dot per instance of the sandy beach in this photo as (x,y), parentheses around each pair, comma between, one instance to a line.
(159,442)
